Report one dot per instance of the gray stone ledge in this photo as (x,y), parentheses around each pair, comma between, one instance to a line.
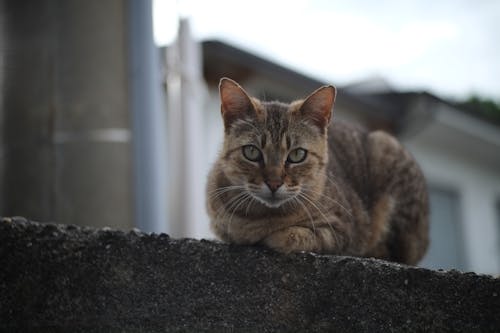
(62,278)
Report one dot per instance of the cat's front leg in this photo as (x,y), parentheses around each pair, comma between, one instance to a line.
(293,239)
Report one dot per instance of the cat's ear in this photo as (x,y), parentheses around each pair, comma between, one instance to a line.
(318,106)
(235,102)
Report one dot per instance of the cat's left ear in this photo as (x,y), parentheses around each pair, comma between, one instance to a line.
(318,106)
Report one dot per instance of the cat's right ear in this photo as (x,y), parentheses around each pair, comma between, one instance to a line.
(235,102)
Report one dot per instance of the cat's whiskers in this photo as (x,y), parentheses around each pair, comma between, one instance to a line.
(332,200)
(242,200)
(297,199)
(224,211)
(246,197)
(249,205)
(225,207)
(221,190)
(325,219)
(337,188)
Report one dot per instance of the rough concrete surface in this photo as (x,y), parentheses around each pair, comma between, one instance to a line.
(62,278)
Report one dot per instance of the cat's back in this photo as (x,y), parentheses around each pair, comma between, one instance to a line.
(389,184)
(368,161)
(346,138)
(348,156)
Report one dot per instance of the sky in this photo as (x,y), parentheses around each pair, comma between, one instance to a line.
(447,47)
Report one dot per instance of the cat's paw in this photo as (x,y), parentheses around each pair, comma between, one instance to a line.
(292,239)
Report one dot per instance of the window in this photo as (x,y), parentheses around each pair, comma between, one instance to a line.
(498,225)
(446,250)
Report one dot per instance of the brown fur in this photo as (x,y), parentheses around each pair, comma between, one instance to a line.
(356,193)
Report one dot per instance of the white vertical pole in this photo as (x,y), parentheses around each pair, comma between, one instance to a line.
(186,133)
(175,144)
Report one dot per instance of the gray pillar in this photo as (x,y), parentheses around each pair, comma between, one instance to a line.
(148,120)
(66,152)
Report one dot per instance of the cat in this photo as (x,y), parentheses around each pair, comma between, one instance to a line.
(291,179)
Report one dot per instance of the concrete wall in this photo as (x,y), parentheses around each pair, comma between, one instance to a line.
(58,278)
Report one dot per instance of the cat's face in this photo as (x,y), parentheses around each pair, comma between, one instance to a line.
(273,152)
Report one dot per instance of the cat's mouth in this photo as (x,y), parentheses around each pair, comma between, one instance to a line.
(272,202)
(272,199)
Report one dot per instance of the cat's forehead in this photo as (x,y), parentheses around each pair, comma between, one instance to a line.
(277,119)
(275,107)
(279,124)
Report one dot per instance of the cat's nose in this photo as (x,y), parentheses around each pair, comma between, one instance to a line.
(274,184)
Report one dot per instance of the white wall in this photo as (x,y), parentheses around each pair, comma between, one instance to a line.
(213,134)
(478,186)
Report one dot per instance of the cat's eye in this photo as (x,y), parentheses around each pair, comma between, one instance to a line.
(297,155)
(252,153)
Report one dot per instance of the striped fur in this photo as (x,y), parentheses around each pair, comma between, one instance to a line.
(356,193)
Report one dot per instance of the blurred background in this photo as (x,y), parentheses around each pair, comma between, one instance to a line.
(110,116)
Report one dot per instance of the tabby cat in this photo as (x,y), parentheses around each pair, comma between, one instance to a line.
(290,179)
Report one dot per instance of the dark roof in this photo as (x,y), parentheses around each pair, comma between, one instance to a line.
(387,110)
(221,59)
(393,102)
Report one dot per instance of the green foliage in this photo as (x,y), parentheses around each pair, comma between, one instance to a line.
(483,106)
